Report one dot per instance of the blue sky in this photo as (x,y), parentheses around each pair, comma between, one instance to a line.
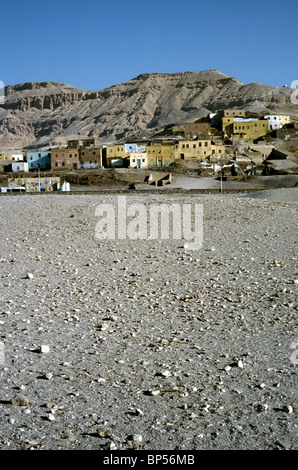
(94,44)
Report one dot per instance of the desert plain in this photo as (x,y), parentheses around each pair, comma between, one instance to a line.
(146,344)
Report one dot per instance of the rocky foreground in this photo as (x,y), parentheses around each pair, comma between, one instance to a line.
(144,344)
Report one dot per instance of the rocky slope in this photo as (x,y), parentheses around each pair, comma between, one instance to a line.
(50,113)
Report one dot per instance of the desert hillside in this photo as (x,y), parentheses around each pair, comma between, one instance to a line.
(50,113)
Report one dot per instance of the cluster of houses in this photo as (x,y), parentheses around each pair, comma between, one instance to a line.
(203,139)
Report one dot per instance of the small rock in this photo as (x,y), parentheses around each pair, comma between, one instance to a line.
(33,443)
(51,417)
(44,349)
(113,446)
(20,400)
(166,373)
(103,432)
(154,393)
(29,276)
(287,409)
(261,407)
(137,438)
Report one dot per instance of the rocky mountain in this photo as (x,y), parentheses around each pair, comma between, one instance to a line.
(50,113)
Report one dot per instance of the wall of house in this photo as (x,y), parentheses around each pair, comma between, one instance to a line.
(234,113)
(191,129)
(42,159)
(250,130)
(192,149)
(138,160)
(274,122)
(64,159)
(90,157)
(160,154)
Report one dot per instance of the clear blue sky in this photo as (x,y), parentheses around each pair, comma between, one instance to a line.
(94,44)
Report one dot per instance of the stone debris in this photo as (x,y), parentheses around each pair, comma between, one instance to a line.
(181,349)
(20,400)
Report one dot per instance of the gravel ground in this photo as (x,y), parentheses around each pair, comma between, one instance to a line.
(143,344)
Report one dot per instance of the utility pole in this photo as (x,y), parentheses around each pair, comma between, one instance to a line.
(38,178)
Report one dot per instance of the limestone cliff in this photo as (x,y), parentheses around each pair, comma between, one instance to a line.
(50,113)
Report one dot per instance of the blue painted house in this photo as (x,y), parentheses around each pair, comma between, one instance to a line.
(41,158)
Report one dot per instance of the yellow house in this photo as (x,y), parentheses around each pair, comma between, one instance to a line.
(227,124)
(5,156)
(193,149)
(159,154)
(250,129)
(115,154)
(246,129)
(217,151)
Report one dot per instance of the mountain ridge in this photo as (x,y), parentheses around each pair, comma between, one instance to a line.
(39,114)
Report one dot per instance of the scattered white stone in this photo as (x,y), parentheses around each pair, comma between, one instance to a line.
(166,373)
(139,412)
(154,393)
(228,368)
(51,417)
(138,438)
(44,349)
(29,276)
(287,409)
(113,446)
(240,364)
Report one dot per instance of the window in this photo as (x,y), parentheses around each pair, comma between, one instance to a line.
(194,146)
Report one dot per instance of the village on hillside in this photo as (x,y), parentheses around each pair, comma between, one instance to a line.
(230,140)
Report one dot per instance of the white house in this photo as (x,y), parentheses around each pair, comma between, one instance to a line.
(19,166)
(138,160)
(274,122)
